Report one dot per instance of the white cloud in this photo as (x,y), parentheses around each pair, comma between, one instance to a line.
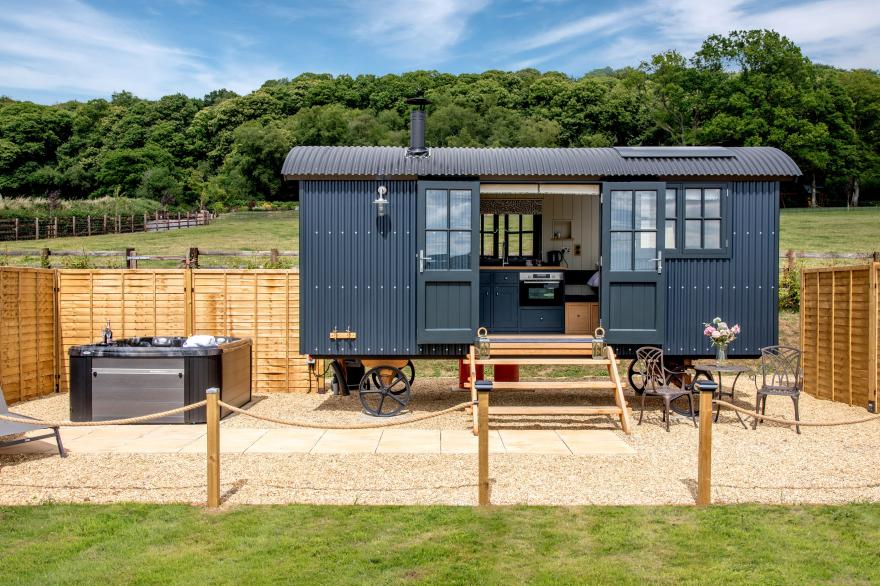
(837,32)
(416,31)
(67,47)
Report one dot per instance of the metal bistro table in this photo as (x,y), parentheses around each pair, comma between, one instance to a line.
(723,369)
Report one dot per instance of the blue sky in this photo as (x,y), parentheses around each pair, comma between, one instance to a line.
(54,50)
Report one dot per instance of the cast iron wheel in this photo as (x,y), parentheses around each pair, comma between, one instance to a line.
(410,376)
(384,391)
(637,379)
(680,405)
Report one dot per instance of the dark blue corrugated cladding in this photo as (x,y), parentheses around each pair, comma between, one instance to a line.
(741,289)
(358,271)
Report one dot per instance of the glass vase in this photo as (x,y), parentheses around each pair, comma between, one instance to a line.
(721,354)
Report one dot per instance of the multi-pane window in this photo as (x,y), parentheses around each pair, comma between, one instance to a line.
(671,217)
(448,229)
(702,218)
(633,230)
(518,234)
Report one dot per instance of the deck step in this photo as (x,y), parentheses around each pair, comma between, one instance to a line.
(546,361)
(553,410)
(536,385)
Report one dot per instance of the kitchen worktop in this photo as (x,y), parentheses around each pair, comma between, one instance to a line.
(520,268)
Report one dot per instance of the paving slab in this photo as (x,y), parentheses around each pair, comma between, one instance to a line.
(104,439)
(163,439)
(585,442)
(460,441)
(533,441)
(409,441)
(286,441)
(232,441)
(348,441)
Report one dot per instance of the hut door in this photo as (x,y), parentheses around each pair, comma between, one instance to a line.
(448,257)
(632,301)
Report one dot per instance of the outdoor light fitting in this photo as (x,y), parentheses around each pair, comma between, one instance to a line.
(380,202)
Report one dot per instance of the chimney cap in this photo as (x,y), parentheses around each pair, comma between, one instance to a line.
(420,102)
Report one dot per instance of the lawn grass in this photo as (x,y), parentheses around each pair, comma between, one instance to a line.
(171,544)
(830,229)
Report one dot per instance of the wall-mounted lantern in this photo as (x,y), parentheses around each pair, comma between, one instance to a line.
(380,202)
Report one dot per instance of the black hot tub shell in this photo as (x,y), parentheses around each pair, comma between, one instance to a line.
(139,376)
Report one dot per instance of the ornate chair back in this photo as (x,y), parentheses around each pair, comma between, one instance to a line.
(781,367)
(652,362)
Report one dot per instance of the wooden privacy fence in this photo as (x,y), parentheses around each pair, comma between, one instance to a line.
(14,229)
(28,333)
(840,321)
(259,304)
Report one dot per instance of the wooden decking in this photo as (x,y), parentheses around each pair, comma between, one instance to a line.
(551,350)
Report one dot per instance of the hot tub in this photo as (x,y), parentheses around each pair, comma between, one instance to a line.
(139,376)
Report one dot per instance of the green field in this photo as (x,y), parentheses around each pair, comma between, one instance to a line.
(830,230)
(150,544)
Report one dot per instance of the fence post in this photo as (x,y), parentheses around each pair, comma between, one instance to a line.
(16,229)
(704,451)
(273,257)
(129,263)
(44,258)
(118,223)
(213,421)
(483,388)
(55,229)
(89,224)
(36,228)
(193,258)
(105,224)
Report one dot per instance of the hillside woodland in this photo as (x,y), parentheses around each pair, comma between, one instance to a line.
(222,150)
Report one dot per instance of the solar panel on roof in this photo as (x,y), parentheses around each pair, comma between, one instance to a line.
(673,152)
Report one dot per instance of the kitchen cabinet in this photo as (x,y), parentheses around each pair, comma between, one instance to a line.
(581,317)
(505,308)
(540,319)
(485,306)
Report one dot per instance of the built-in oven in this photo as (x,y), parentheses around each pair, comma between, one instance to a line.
(541,289)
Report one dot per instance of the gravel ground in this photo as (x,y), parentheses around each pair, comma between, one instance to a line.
(770,465)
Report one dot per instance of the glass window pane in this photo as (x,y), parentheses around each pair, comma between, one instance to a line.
(621,251)
(528,222)
(488,248)
(670,234)
(712,203)
(692,233)
(528,243)
(460,250)
(513,222)
(460,208)
(437,253)
(436,214)
(712,234)
(621,210)
(671,202)
(646,210)
(692,201)
(646,251)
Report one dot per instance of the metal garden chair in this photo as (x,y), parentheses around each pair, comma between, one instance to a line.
(10,428)
(659,382)
(780,375)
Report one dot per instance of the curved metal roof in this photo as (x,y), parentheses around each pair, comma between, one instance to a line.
(372,161)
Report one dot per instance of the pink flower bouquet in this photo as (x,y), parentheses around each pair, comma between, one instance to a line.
(719,333)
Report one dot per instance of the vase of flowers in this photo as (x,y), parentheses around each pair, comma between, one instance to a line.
(720,336)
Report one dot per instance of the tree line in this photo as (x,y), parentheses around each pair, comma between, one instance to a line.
(745,88)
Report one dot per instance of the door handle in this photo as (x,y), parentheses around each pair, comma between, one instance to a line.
(659,260)
(422,259)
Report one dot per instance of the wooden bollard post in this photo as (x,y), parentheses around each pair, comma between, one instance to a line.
(704,451)
(483,388)
(213,420)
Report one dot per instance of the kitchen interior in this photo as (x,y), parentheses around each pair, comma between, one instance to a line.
(539,258)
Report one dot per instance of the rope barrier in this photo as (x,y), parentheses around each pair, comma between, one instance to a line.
(308,424)
(130,420)
(753,415)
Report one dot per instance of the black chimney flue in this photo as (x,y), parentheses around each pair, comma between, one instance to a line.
(417,127)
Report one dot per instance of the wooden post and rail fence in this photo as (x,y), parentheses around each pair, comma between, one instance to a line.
(129,257)
(18,229)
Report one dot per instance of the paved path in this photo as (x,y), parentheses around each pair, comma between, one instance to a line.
(190,439)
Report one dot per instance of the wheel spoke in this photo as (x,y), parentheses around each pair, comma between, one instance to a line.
(396,398)
(381,402)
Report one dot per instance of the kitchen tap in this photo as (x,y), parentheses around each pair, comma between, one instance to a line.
(107,333)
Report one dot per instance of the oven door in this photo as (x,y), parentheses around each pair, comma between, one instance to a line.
(536,293)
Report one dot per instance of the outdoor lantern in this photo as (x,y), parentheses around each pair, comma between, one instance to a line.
(599,343)
(483,343)
(380,202)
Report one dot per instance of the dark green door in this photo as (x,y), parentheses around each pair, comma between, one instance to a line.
(448,302)
(632,303)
